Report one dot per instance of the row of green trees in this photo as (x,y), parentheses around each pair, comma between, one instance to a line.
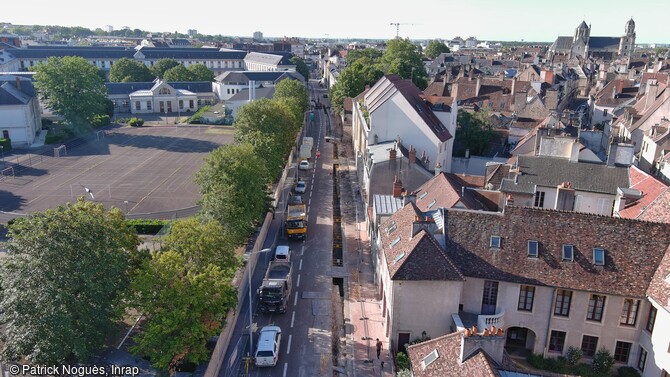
(129,70)
(366,67)
(73,272)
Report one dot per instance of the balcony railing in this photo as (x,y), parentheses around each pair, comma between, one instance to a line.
(486,321)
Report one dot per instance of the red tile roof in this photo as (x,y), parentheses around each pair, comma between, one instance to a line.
(659,288)
(658,210)
(633,248)
(448,363)
(651,189)
(414,256)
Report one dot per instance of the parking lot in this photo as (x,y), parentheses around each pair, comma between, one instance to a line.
(146,171)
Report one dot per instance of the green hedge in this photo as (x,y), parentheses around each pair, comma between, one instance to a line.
(147,226)
(136,122)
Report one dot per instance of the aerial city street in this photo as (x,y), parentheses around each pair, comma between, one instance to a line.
(406,202)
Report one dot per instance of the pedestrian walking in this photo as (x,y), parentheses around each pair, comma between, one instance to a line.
(379,348)
(318,154)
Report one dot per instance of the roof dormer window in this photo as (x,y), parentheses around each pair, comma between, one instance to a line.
(568,253)
(599,256)
(532,249)
(496,241)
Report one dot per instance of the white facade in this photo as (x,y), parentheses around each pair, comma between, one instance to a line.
(20,114)
(657,341)
(163,99)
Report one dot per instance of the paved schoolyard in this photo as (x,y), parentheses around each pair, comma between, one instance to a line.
(150,168)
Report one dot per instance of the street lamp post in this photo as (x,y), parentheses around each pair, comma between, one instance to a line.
(251,337)
(125,202)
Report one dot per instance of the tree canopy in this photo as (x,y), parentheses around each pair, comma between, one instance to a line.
(200,72)
(435,48)
(403,58)
(270,126)
(300,66)
(62,280)
(73,88)
(183,292)
(294,93)
(353,79)
(474,132)
(234,186)
(129,70)
(162,65)
(178,73)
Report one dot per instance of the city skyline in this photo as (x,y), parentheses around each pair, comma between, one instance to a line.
(515,20)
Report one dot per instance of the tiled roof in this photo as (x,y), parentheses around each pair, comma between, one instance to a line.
(443,191)
(623,89)
(610,43)
(191,53)
(650,187)
(414,257)
(659,288)
(658,210)
(633,249)
(448,363)
(552,171)
(261,92)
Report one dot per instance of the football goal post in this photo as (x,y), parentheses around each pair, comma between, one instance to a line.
(60,151)
(7,172)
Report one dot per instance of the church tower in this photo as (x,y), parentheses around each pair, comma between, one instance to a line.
(627,44)
(582,32)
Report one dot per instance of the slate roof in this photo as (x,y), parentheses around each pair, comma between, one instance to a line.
(10,94)
(191,53)
(278,58)
(633,249)
(414,257)
(659,288)
(608,43)
(245,76)
(552,171)
(84,52)
(562,43)
(120,88)
(448,362)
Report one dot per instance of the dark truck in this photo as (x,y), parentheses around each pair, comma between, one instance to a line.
(275,289)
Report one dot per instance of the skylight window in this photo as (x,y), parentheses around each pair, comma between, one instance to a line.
(391,228)
(395,241)
(429,359)
(532,249)
(568,253)
(399,257)
(423,195)
(495,242)
(599,256)
(432,203)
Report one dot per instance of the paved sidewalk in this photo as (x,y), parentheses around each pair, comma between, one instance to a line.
(362,307)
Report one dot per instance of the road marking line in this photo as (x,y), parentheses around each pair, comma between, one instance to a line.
(302,250)
(300,267)
(288,348)
(298,283)
(310,202)
(295,301)
(307,218)
(292,319)
(285,369)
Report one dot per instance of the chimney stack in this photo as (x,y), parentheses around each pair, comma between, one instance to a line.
(392,154)
(18,83)
(397,187)
(651,93)
(412,155)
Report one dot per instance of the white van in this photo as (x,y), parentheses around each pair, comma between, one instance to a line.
(267,353)
(283,253)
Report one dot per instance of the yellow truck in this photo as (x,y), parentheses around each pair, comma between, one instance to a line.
(296,221)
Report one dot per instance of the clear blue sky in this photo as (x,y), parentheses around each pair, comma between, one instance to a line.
(429,19)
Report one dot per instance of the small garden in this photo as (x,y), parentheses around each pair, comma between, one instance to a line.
(601,365)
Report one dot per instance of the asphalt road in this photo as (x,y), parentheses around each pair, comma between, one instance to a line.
(306,326)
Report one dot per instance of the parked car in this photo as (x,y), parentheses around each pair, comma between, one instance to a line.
(283,253)
(294,199)
(300,187)
(267,353)
(304,165)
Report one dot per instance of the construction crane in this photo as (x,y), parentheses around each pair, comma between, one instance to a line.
(397,27)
